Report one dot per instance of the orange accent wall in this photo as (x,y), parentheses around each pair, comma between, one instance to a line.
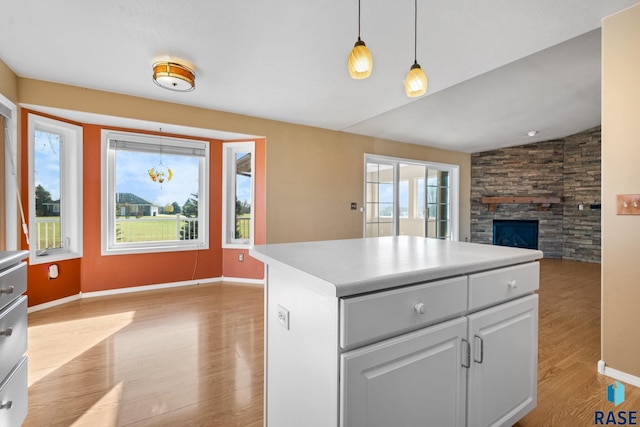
(94,272)
(40,289)
(121,271)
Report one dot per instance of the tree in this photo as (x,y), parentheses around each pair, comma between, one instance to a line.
(42,197)
(168,209)
(176,208)
(189,229)
(190,208)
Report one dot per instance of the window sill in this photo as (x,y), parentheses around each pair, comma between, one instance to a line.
(151,249)
(53,257)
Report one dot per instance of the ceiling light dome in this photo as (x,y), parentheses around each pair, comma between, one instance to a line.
(174,76)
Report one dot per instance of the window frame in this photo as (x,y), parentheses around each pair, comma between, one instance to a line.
(108,202)
(229,149)
(9,111)
(71,197)
(395,162)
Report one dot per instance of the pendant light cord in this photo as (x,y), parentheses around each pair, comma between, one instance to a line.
(415,34)
(358,20)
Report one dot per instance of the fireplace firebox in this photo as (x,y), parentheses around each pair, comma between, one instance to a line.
(521,233)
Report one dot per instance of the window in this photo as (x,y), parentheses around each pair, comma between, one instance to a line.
(238,194)
(410,197)
(155,194)
(55,185)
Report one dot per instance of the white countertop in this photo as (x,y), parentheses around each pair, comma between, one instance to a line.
(9,258)
(356,266)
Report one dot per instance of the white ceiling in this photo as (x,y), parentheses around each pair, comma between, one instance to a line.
(497,69)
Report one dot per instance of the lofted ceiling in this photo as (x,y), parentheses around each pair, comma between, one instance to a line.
(497,69)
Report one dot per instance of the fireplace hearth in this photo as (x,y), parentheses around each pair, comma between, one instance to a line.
(516,233)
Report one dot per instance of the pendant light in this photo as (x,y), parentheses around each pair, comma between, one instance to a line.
(416,82)
(360,60)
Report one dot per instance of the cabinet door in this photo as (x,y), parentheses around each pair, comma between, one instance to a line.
(503,376)
(416,379)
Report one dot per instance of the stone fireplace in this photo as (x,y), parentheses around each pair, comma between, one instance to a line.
(554,183)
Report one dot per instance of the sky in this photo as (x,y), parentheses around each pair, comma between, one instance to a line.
(132,176)
(132,173)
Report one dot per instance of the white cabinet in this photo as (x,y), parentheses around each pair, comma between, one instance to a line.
(482,368)
(504,363)
(13,339)
(399,332)
(416,379)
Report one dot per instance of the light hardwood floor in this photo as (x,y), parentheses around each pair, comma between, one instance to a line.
(193,356)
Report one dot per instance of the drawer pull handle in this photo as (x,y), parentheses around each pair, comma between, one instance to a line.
(420,308)
(513,284)
(8,290)
(6,405)
(7,332)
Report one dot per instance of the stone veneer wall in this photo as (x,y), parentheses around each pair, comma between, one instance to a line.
(568,168)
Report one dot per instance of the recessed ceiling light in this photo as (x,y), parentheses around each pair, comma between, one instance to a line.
(533,133)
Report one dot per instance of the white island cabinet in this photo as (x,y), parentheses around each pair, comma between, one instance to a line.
(399,331)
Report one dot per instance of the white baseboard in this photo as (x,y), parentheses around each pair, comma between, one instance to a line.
(234,280)
(241,281)
(618,375)
(53,303)
(148,287)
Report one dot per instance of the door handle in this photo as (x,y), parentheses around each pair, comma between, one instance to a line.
(477,337)
(468,365)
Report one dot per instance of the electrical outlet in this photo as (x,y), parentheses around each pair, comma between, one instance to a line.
(283,316)
(241,257)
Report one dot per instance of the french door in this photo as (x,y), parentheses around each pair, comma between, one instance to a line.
(412,198)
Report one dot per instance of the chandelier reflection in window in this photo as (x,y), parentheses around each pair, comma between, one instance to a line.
(160,173)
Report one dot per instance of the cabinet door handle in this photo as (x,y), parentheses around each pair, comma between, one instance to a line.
(468,355)
(8,290)
(477,337)
(6,405)
(420,308)
(7,332)
(513,284)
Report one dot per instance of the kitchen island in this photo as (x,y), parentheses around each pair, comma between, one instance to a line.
(399,331)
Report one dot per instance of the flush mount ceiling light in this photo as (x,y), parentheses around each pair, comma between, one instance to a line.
(533,133)
(360,60)
(174,76)
(416,82)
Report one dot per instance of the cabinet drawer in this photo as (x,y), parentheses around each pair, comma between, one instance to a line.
(13,283)
(366,318)
(13,396)
(492,287)
(13,335)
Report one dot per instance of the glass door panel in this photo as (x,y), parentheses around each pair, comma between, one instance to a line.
(379,200)
(411,199)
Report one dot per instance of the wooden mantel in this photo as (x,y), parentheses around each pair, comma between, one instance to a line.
(542,202)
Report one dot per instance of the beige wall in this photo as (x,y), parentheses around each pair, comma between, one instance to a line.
(8,83)
(620,175)
(312,174)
